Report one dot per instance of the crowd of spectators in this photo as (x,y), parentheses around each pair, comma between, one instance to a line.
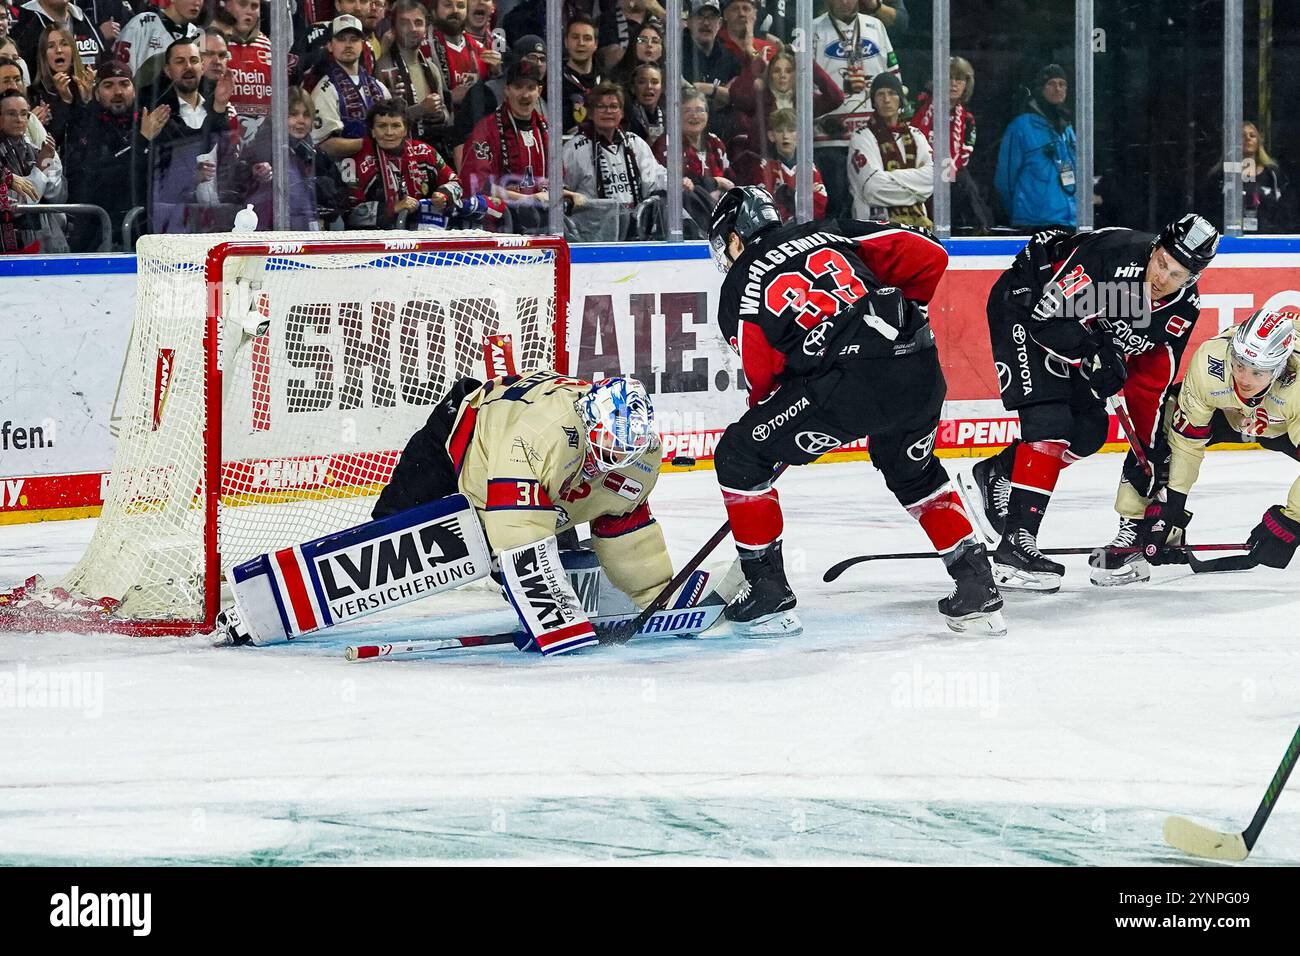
(431,114)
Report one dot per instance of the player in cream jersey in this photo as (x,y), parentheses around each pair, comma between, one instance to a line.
(1240,386)
(529,459)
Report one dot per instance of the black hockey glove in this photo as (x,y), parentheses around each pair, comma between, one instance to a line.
(893,316)
(1273,541)
(1148,486)
(1102,367)
(1160,535)
(1036,267)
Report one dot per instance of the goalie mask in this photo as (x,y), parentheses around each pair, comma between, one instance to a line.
(619,421)
(1265,341)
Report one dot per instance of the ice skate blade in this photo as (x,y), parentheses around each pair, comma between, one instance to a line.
(780,624)
(981,623)
(1137,572)
(968,490)
(1018,579)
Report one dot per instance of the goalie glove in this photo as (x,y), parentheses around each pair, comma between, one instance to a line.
(1273,541)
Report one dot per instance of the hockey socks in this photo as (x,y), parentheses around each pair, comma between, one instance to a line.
(944,520)
(755,517)
(1034,473)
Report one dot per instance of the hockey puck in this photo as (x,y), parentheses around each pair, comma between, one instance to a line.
(683,461)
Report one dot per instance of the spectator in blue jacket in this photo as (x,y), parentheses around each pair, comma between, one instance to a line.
(1038,161)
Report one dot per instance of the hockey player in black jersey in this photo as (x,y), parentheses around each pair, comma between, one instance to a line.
(829,319)
(1074,321)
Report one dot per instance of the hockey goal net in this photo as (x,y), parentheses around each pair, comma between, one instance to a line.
(269,388)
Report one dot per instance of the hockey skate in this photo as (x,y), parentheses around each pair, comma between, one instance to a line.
(975,604)
(986,490)
(1018,565)
(230,630)
(1110,567)
(764,606)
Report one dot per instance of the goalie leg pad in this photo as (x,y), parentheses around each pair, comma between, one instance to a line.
(539,590)
(356,572)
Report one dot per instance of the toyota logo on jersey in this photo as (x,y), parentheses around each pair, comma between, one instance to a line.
(816,443)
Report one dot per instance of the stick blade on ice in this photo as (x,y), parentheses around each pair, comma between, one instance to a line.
(1183,834)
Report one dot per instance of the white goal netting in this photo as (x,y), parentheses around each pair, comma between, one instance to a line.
(314,411)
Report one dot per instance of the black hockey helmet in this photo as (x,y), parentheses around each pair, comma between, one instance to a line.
(1192,241)
(748,211)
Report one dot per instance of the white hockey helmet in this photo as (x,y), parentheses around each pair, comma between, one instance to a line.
(619,421)
(1265,341)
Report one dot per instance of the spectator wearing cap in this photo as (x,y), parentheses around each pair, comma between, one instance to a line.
(646,47)
(505,155)
(1035,177)
(619,22)
(142,40)
(407,70)
(604,162)
(891,172)
(186,142)
(528,47)
(103,166)
(36,16)
(737,35)
(465,65)
(706,63)
(313,45)
(580,73)
(346,93)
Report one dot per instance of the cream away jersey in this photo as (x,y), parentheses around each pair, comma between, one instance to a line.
(518,447)
(1208,388)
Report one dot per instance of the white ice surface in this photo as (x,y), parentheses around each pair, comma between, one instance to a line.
(1101,712)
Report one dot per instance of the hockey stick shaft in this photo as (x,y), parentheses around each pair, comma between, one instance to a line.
(1130,433)
(835,570)
(661,600)
(1251,833)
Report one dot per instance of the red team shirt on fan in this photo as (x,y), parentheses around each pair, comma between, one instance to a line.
(463,59)
(250,69)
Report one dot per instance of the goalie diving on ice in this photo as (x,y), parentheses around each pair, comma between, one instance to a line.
(496,473)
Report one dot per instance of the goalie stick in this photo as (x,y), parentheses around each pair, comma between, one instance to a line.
(675,623)
(835,570)
(621,635)
(1183,834)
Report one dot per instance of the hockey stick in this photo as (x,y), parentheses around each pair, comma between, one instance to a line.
(1130,433)
(677,623)
(835,570)
(1233,562)
(624,634)
(1197,840)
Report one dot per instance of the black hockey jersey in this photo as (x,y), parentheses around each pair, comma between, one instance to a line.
(1093,281)
(792,279)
